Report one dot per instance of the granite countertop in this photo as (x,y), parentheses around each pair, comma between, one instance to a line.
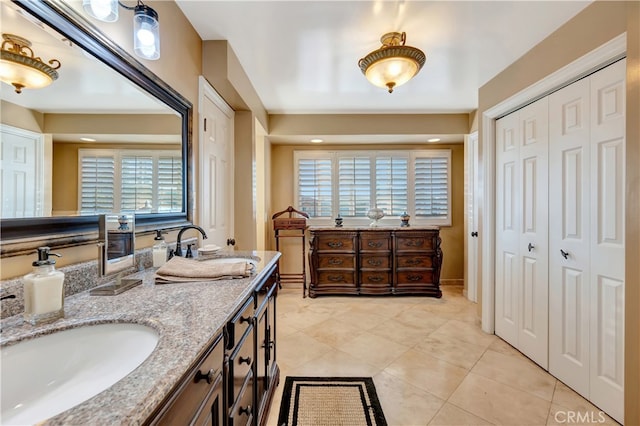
(187,317)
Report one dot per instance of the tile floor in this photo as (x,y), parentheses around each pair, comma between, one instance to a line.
(430,361)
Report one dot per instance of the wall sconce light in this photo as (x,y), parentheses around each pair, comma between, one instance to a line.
(393,64)
(21,68)
(146,28)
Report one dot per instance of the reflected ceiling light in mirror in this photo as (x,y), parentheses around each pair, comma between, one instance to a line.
(146,27)
(433,140)
(88,139)
(393,64)
(20,68)
(316,140)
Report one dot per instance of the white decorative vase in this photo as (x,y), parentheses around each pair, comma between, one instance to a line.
(375,214)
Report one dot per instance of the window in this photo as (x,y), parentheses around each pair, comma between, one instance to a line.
(127,180)
(349,183)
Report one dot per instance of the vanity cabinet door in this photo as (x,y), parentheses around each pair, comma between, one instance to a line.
(212,413)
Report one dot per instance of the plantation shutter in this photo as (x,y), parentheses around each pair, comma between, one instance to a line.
(98,183)
(136,183)
(314,186)
(432,187)
(169,184)
(391,185)
(354,186)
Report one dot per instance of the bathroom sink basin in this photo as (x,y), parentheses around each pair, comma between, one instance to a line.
(47,375)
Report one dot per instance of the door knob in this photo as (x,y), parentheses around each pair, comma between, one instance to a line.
(564,254)
(231,241)
(474,234)
(531,247)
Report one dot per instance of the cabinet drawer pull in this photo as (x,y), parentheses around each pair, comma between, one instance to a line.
(245,410)
(335,244)
(208,377)
(414,243)
(245,319)
(334,261)
(414,277)
(374,262)
(375,279)
(335,278)
(246,360)
(413,262)
(375,244)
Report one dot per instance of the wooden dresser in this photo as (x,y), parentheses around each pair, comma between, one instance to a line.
(375,261)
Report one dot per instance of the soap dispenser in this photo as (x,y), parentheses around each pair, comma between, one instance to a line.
(44,290)
(159,250)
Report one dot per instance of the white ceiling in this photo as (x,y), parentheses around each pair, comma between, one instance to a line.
(301,56)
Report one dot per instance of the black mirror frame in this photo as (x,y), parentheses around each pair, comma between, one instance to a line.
(19,236)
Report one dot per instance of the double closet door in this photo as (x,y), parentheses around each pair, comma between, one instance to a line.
(560,234)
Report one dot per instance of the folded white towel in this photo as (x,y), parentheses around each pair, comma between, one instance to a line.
(179,269)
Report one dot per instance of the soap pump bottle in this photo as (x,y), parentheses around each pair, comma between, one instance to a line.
(44,290)
(159,250)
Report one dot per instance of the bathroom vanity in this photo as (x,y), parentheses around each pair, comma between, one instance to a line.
(375,261)
(215,360)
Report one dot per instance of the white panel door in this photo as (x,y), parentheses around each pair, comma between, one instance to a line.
(607,238)
(22,179)
(534,231)
(569,201)
(507,228)
(216,145)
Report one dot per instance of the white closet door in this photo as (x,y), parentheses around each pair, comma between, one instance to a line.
(607,238)
(533,283)
(569,195)
(507,228)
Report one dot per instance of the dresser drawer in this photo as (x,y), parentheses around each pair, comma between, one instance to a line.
(336,278)
(239,324)
(414,277)
(409,261)
(375,278)
(376,262)
(336,261)
(342,243)
(240,363)
(424,243)
(375,241)
(242,411)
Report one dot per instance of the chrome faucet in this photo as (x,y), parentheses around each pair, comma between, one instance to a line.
(178,251)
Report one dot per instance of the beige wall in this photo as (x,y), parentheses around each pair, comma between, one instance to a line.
(595,25)
(22,118)
(282,175)
(180,44)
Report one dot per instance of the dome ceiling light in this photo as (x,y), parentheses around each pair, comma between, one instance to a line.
(20,67)
(393,64)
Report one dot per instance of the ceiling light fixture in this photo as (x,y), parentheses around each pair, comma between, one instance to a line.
(21,68)
(146,28)
(393,64)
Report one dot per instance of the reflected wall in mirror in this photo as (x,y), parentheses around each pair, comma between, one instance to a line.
(106,136)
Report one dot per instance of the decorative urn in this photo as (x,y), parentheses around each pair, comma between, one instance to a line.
(375,214)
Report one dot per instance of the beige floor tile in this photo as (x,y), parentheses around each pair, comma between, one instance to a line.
(466,332)
(567,399)
(450,415)
(335,363)
(499,403)
(333,332)
(420,319)
(374,349)
(399,332)
(559,415)
(520,373)
(428,373)
(298,348)
(302,319)
(363,320)
(404,404)
(504,348)
(452,350)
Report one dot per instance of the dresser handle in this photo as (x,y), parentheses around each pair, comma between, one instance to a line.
(245,319)
(414,277)
(374,262)
(334,261)
(246,360)
(375,279)
(208,377)
(335,278)
(413,262)
(414,243)
(246,410)
(334,244)
(375,244)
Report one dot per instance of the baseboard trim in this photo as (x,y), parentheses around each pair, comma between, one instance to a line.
(452,281)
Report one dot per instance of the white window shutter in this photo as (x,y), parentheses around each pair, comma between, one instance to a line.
(314,186)
(354,186)
(97,174)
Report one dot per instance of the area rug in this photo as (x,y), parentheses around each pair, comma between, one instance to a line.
(330,401)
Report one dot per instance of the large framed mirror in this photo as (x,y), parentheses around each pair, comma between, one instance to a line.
(106,113)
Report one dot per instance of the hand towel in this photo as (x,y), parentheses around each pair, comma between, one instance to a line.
(179,269)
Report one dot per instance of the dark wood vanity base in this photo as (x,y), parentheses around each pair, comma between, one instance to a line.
(375,261)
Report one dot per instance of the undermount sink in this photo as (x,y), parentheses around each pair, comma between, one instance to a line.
(44,376)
